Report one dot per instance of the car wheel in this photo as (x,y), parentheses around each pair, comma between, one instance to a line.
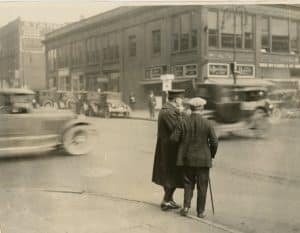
(260,123)
(79,140)
(276,115)
(48,104)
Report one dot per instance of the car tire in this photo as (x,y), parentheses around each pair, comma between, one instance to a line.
(78,140)
(276,115)
(48,104)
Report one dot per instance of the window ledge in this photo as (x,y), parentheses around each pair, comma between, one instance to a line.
(184,51)
(232,50)
(280,54)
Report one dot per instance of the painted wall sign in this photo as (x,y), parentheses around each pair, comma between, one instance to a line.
(218,70)
(246,70)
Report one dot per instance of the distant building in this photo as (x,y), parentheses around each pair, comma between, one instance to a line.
(129,48)
(22,55)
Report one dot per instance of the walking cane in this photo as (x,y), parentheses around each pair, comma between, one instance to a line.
(211,196)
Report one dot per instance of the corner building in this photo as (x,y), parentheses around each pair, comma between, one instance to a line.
(129,48)
(22,54)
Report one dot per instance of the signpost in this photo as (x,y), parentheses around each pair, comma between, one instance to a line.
(167,83)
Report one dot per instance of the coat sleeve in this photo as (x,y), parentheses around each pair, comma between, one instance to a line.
(177,133)
(212,141)
(171,120)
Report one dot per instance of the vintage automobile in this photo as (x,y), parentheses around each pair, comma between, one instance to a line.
(24,129)
(286,103)
(233,108)
(107,104)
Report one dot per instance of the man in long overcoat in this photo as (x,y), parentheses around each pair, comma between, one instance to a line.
(165,171)
(198,146)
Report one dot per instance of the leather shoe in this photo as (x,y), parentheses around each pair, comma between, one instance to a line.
(184,211)
(166,206)
(174,205)
(201,215)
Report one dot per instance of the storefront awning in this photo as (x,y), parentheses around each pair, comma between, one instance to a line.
(241,81)
(158,81)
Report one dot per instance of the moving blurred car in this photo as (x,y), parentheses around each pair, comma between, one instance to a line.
(286,102)
(235,108)
(24,129)
(107,104)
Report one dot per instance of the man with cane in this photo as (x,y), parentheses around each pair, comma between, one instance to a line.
(198,145)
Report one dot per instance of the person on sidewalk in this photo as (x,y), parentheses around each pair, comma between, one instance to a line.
(151,104)
(165,171)
(198,145)
(132,101)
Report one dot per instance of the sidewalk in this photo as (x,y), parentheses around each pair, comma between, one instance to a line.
(60,211)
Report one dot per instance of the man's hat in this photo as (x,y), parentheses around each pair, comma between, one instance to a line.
(196,102)
(174,93)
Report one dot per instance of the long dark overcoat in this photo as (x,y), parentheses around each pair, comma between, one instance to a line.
(165,171)
(198,142)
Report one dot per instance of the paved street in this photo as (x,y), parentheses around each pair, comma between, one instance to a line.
(256,185)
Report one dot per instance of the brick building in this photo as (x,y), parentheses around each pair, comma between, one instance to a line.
(127,49)
(22,55)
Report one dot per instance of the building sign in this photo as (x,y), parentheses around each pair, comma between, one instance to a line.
(218,70)
(185,71)
(63,72)
(246,71)
(177,71)
(154,72)
(272,65)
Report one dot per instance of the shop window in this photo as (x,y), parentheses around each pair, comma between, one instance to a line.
(212,29)
(293,28)
(132,45)
(156,41)
(280,35)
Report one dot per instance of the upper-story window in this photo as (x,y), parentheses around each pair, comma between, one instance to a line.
(236,29)
(248,31)
(213,33)
(265,32)
(91,50)
(280,35)
(110,47)
(156,42)
(132,45)
(77,54)
(184,33)
(293,29)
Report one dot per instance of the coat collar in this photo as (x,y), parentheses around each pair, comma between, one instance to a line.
(168,106)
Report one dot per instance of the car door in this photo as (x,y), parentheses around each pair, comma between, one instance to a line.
(17,130)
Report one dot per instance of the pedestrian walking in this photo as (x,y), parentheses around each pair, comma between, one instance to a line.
(132,101)
(198,145)
(165,171)
(151,104)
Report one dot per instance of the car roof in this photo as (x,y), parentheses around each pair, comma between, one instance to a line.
(18,91)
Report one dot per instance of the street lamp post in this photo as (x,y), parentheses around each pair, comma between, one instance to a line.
(235,10)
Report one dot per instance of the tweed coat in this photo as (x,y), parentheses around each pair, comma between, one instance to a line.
(198,142)
(165,171)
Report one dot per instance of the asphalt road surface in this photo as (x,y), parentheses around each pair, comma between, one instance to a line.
(256,185)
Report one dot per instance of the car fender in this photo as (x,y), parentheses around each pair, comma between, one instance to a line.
(74,123)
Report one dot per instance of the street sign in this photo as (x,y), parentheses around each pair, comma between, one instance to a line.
(167,84)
